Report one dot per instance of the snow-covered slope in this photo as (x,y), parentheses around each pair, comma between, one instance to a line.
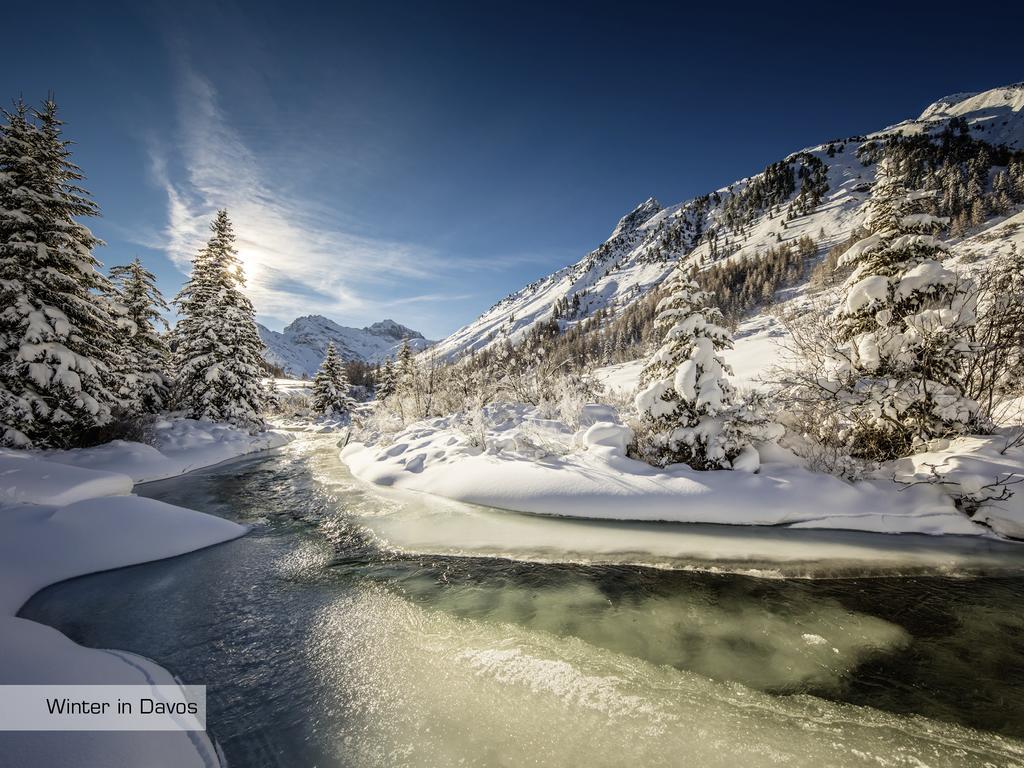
(647,242)
(760,341)
(300,348)
(993,115)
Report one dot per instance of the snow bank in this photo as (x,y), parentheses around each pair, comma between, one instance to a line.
(988,469)
(41,545)
(594,479)
(67,513)
(180,446)
(25,478)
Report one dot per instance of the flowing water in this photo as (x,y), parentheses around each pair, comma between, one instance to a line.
(357,628)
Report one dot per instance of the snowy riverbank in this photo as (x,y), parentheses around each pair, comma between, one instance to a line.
(178,446)
(66,514)
(517,460)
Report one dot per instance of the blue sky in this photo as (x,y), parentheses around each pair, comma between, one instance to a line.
(421,160)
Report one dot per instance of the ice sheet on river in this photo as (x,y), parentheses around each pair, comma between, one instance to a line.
(410,522)
(424,687)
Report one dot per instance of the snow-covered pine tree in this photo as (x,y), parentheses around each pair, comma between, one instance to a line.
(684,399)
(405,368)
(904,330)
(218,360)
(330,386)
(386,383)
(57,346)
(271,396)
(145,382)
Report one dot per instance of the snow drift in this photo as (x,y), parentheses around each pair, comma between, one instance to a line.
(527,463)
(68,513)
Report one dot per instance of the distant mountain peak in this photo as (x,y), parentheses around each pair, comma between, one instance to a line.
(307,321)
(300,347)
(391,329)
(637,217)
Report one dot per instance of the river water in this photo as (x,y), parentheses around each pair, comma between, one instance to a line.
(352,627)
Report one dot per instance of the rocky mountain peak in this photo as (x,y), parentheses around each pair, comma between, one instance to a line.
(636,218)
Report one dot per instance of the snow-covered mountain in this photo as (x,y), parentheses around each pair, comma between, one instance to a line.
(994,115)
(818,192)
(300,347)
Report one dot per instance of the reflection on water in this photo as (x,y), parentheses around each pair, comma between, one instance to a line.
(320,648)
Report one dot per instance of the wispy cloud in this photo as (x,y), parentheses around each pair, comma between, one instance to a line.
(428,298)
(298,258)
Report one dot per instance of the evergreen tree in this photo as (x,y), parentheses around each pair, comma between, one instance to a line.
(218,357)
(386,381)
(405,368)
(57,346)
(271,396)
(903,329)
(144,378)
(684,400)
(330,386)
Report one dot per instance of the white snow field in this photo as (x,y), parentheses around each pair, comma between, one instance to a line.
(972,463)
(527,463)
(68,513)
(294,386)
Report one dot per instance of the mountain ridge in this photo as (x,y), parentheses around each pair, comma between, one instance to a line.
(828,186)
(300,347)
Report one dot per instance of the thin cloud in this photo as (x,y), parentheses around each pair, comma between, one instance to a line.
(296,258)
(428,298)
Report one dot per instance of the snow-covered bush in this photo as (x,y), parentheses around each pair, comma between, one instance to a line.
(566,396)
(684,401)
(532,437)
(815,419)
(527,373)
(377,426)
(296,404)
(995,371)
(472,392)
(814,432)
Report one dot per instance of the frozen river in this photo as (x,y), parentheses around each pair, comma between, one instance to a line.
(353,627)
